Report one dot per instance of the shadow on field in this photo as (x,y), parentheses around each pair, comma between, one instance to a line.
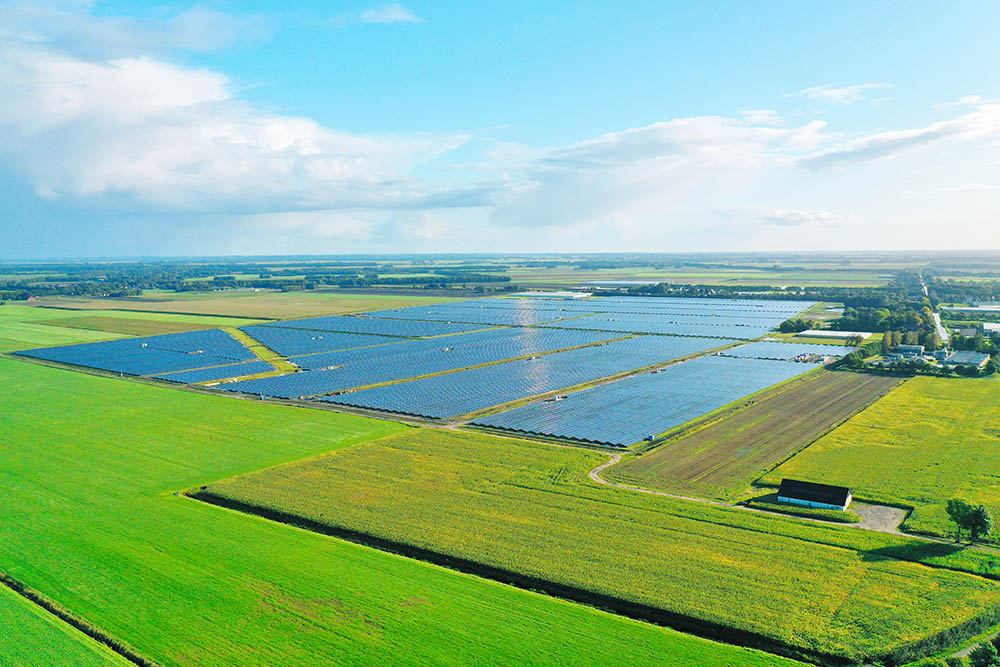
(917,551)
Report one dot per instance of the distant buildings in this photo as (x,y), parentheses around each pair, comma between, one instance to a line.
(811,494)
(829,333)
(965,358)
(910,351)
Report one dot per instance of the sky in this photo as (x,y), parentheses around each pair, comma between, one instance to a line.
(240,128)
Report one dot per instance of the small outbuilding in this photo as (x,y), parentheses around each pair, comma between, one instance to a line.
(965,358)
(811,494)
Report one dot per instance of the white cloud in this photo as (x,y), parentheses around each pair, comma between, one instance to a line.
(795,218)
(168,135)
(69,29)
(983,123)
(840,94)
(968,100)
(761,116)
(391,13)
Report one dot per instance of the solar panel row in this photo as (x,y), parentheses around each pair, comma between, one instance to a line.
(293,342)
(151,354)
(480,388)
(218,373)
(626,411)
(370,325)
(786,351)
(412,358)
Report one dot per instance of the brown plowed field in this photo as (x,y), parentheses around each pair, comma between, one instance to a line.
(721,459)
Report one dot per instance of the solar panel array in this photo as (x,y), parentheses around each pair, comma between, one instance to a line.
(150,355)
(786,351)
(371,325)
(649,324)
(743,319)
(513,315)
(412,358)
(624,412)
(478,388)
(218,373)
(294,342)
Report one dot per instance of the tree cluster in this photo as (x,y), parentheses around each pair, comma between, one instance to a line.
(975,520)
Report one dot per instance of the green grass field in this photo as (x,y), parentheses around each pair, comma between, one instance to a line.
(23,327)
(528,507)
(723,458)
(32,637)
(89,467)
(929,440)
(246,303)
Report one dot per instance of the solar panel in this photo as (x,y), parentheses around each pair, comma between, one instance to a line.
(626,411)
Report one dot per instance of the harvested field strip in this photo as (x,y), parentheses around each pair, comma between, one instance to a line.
(123,325)
(721,459)
(520,507)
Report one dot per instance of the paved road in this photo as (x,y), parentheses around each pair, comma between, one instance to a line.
(942,332)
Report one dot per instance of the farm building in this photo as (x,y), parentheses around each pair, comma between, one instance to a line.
(910,351)
(965,358)
(552,295)
(829,333)
(811,494)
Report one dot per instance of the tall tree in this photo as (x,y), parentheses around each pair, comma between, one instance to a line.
(959,511)
(979,522)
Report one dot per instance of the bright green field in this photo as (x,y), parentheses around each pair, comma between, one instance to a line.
(529,507)
(31,637)
(88,471)
(929,440)
(23,327)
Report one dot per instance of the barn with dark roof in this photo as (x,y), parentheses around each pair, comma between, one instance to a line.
(811,494)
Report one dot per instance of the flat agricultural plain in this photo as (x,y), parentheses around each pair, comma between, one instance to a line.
(42,639)
(721,459)
(927,441)
(247,303)
(529,508)
(89,470)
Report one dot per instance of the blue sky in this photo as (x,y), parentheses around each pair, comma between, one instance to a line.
(248,127)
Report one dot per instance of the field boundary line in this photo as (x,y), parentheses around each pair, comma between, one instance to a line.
(86,627)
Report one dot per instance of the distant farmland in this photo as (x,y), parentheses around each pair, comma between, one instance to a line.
(525,507)
(721,459)
(930,440)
